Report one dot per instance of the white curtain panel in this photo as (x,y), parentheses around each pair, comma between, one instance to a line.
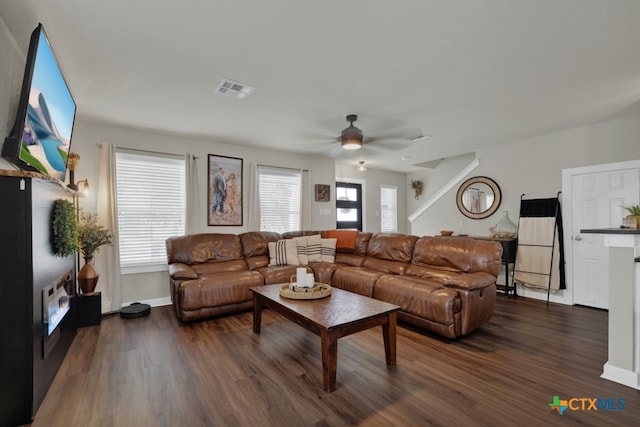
(253,213)
(194,203)
(107,259)
(306,200)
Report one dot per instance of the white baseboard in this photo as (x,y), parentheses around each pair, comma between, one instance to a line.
(621,376)
(157,302)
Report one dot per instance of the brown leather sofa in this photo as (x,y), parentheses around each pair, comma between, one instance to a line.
(445,285)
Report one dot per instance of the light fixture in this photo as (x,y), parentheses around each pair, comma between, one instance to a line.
(351,138)
(361,166)
(85,187)
(72,163)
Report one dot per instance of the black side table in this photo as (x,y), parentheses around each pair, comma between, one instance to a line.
(87,309)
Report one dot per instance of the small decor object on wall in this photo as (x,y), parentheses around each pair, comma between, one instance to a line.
(224,195)
(323,192)
(417,188)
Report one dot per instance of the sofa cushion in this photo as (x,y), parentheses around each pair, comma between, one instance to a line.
(314,248)
(279,273)
(283,252)
(206,247)
(391,246)
(362,243)
(292,234)
(345,239)
(360,280)
(349,259)
(234,265)
(181,271)
(419,297)
(328,250)
(323,271)
(458,254)
(218,289)
(301,245)
(256,243)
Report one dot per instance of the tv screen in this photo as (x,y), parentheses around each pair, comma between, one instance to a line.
(41,136)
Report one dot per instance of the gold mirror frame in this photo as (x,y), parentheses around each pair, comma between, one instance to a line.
(467,185)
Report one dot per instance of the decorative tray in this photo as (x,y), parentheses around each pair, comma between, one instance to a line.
(320,290)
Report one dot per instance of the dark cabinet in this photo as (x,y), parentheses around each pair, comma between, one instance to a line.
(30,354)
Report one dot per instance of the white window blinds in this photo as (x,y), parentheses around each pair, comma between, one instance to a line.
(388,209)
(151,207)
(280,198)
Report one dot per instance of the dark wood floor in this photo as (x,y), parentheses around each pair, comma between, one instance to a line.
(155,371)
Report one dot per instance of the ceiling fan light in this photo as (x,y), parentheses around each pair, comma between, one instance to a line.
(351,138)
(351,144)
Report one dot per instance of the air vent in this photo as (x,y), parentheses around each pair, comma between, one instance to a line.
(234,89)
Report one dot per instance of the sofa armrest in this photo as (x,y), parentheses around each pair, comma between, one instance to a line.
(470,281)
(179,271)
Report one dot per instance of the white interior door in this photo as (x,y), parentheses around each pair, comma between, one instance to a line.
(597,200)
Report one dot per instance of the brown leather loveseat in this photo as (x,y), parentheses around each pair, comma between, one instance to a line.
(445,285)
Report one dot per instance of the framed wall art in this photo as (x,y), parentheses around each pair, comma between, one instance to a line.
(322,192)
(224,190)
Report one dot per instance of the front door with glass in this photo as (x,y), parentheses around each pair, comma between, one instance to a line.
(348,206)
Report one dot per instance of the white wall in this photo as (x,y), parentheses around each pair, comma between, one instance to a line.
(11,71)
(532,167)
(88,135)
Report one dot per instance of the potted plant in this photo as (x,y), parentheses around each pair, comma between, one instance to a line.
(91,235)
(634,213)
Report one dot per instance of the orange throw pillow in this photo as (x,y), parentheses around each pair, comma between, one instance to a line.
(346,239)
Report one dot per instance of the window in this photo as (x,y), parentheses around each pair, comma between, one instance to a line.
(388,209)
(151,207)
(280,192)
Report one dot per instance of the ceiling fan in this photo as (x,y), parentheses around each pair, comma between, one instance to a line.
(383,135)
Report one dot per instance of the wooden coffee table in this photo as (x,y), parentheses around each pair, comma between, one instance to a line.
(340,314)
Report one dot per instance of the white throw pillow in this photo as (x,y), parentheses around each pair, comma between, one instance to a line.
(314,248)
(301,244)
(283,252)
(328,250)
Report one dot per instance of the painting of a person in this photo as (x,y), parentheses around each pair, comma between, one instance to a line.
(220,191)
(232,187)
(224,192)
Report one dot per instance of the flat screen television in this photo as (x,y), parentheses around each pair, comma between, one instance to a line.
(41,135)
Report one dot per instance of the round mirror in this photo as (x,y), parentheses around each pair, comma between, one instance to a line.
(478,197)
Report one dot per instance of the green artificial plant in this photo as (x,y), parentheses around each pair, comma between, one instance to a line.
(64,228)
(633,209)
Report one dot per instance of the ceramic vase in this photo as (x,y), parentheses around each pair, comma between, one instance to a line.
(88,276)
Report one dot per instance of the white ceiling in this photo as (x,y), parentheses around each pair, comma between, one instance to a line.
(469,73)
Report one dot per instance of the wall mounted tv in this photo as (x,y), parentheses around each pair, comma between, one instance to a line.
(41,136)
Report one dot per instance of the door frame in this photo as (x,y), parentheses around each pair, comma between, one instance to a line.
(362,182)
(567,214)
